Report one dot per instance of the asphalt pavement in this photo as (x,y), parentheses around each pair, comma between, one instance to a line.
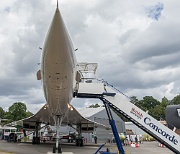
(44,148)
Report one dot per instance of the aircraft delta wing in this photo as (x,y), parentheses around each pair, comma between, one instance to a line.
(72,118)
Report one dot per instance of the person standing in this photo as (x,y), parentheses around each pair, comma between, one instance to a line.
(136,139)
(95,139)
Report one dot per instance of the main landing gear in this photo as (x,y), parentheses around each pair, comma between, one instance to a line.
(36,138)
(79,138)
(79,142)
(57,147)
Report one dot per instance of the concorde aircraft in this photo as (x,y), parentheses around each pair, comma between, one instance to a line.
(59,76)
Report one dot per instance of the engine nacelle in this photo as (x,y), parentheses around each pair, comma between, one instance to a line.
(173,116)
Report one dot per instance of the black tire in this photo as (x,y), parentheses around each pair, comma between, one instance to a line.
(54,148)
(77,142)
(59,149)
(81,142)
(33,141)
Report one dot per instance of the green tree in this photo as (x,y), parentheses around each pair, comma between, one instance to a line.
(133,99)
(17,111)
(158,112)
(175,100)
(147,103)
(28,114)
(94,106)
(7,115)
(2,113)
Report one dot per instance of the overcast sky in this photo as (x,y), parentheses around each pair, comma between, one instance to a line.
(136,44)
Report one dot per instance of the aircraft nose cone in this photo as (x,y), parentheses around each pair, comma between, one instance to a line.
(57,44)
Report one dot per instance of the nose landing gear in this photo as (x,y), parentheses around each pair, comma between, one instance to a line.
(57,147)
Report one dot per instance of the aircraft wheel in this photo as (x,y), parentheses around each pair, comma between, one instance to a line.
(33,141)
(54,148)
(81,142)
(77,142)
(59,149)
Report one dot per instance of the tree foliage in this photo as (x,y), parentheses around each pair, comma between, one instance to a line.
(134,99)
(28,114)
(147,103)
(94,106)
(15,112)
(158,112)
(2,113)
(175,100)
(155,108)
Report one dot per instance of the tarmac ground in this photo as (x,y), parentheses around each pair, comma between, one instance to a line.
(44,148)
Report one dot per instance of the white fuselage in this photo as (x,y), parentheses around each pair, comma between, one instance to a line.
(58,67)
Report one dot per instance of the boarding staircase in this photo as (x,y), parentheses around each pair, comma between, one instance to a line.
(121,104)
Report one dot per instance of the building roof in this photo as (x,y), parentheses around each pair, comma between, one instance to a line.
(88,112)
